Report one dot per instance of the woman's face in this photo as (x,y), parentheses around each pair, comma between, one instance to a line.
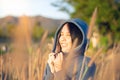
(65,39)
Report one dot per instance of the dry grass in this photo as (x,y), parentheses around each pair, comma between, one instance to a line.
(26,62)
(108,67)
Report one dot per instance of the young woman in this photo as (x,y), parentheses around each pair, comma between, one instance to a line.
(65,61)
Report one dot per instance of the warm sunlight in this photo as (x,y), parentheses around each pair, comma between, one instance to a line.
(14,6)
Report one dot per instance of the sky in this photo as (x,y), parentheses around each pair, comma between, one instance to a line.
(31,8)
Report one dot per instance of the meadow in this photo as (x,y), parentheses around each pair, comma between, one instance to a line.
(27,59)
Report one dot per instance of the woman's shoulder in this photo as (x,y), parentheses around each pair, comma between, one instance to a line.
(87,60)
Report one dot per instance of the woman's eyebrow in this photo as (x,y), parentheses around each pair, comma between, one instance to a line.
(65,32)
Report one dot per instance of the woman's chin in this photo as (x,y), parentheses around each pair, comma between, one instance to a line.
(65,50)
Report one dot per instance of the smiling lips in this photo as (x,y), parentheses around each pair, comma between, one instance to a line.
(63,44)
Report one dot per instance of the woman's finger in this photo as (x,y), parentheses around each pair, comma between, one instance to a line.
(61,56)
(59,59)
(51,54)
(51,57)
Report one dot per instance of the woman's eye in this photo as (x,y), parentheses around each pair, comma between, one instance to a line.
(64,34)
(68,35)
(61,33)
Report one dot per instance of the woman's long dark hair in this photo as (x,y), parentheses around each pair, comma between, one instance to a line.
(75,33)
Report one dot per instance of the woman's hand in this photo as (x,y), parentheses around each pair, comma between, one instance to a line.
(55,62)
(58,62)
(51,62)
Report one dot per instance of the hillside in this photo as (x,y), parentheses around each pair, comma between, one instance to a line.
(8,23)
(46,23)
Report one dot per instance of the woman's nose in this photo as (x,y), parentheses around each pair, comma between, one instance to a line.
(63,38)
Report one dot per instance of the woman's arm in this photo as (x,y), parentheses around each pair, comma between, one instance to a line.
(53,67)
(48,75)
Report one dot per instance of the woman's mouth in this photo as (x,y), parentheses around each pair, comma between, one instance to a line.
(64,45)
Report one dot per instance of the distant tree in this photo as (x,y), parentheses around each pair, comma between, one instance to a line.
(108,17)
(6,31)
(1,32)
(9,29)
(37,32)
